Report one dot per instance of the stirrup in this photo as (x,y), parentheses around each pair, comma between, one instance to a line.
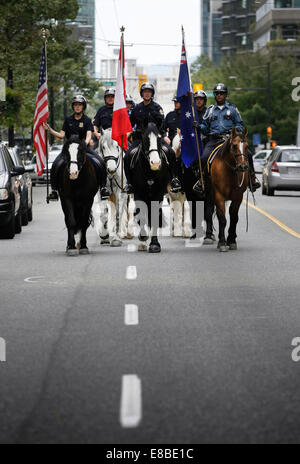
(175,185)
(128,189)
(199,189)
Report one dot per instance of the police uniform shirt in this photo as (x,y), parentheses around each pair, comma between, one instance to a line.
(172,123)
(143,113)
(221,120)
(103,118)
(80,127)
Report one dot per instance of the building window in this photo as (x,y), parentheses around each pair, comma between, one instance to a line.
(244,3)
(244,40)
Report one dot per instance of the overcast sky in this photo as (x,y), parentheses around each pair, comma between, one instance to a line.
(148,22)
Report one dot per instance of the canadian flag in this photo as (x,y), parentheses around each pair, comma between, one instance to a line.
(121,123)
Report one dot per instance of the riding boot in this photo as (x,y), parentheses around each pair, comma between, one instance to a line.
(198,188)
(254,183)
(173,169)
(58,162)
(127,161)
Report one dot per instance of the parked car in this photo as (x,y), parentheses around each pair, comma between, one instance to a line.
(54,151)
(10,195)
(259,160)
(282,171)
(26,188)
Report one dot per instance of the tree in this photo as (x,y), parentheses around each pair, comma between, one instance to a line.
(250,72)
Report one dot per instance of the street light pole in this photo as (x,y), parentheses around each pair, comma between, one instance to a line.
(269,93)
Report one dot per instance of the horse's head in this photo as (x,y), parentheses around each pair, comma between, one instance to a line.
(151,141)
(74,152)
(110,152)
(238,148)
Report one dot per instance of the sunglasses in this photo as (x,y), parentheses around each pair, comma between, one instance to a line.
(220,93)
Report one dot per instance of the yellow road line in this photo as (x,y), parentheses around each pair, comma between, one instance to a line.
(275,220)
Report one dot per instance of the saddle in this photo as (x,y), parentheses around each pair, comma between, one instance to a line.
(97,166)
(212,156)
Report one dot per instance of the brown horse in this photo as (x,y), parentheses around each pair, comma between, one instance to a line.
(229,179)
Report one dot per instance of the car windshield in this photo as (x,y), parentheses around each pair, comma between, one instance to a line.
(290,156)
(261,155)
(2,166)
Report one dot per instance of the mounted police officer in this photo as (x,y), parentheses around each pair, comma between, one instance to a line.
(103,118)
(130,104)
(77,124)
(149,111)
(217,122)
(172,122)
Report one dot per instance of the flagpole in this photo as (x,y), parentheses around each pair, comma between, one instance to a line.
(194,116)
(122,148)
(45,35)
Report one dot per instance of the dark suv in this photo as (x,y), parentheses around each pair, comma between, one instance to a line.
(10,212)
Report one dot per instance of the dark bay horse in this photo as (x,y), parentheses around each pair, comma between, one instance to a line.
(150,178)
(77,186)
(229,180)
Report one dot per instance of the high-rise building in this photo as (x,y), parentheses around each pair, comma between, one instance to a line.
(211,29)
(83,29)
(278,20)
(237,20)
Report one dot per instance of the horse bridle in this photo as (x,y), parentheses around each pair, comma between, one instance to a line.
(77,163)
(243,167)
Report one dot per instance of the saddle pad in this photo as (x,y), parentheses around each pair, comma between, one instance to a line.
(96,165)
(213,155)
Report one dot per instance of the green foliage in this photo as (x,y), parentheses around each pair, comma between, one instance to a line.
(10,109)
(20,48)
(249,72)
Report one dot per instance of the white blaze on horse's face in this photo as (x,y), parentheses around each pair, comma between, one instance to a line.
(73,150)
(242,148)
(155,162)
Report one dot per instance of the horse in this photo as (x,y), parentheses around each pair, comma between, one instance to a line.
(150,178)
(180,222)
(111,216)
(77,186)
(229,176)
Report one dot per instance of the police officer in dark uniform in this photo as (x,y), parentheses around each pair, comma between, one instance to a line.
(77,124)
(130,104)
(103,118)
(172,121)
(218,121)
(148,111)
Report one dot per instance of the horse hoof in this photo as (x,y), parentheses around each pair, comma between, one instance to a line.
(142,247)
(105,240)
(116,243)
(84,251)
(154,248)
(129,237)
(72,252)
(223,248)
(232,246)
(208,241)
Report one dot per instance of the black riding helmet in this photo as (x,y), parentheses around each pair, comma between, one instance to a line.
(79,99)
(129,98)
(147,86)
(220,88)
(109,92)
(201,94)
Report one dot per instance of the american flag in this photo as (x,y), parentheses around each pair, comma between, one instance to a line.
(41,116)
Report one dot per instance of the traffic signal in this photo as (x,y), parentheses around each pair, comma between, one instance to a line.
(198,86)
(142,80)
(269,132)
(274,144)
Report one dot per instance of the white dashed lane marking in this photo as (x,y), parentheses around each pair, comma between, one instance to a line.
(131,314)
(131,273)
(131,401)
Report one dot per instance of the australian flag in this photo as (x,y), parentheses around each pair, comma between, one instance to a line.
(189,152)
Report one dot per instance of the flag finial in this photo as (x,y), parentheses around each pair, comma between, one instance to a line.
(122,29)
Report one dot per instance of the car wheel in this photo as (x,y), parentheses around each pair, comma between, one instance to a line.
(8,232)
(25,219)
(29,213)
(18,223)
(270,191)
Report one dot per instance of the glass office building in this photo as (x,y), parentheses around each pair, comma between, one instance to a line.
(211,29)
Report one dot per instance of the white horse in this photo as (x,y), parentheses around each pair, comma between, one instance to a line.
(180,211)
(111,219)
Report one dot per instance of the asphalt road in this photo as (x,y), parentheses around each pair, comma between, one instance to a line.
(211,353)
